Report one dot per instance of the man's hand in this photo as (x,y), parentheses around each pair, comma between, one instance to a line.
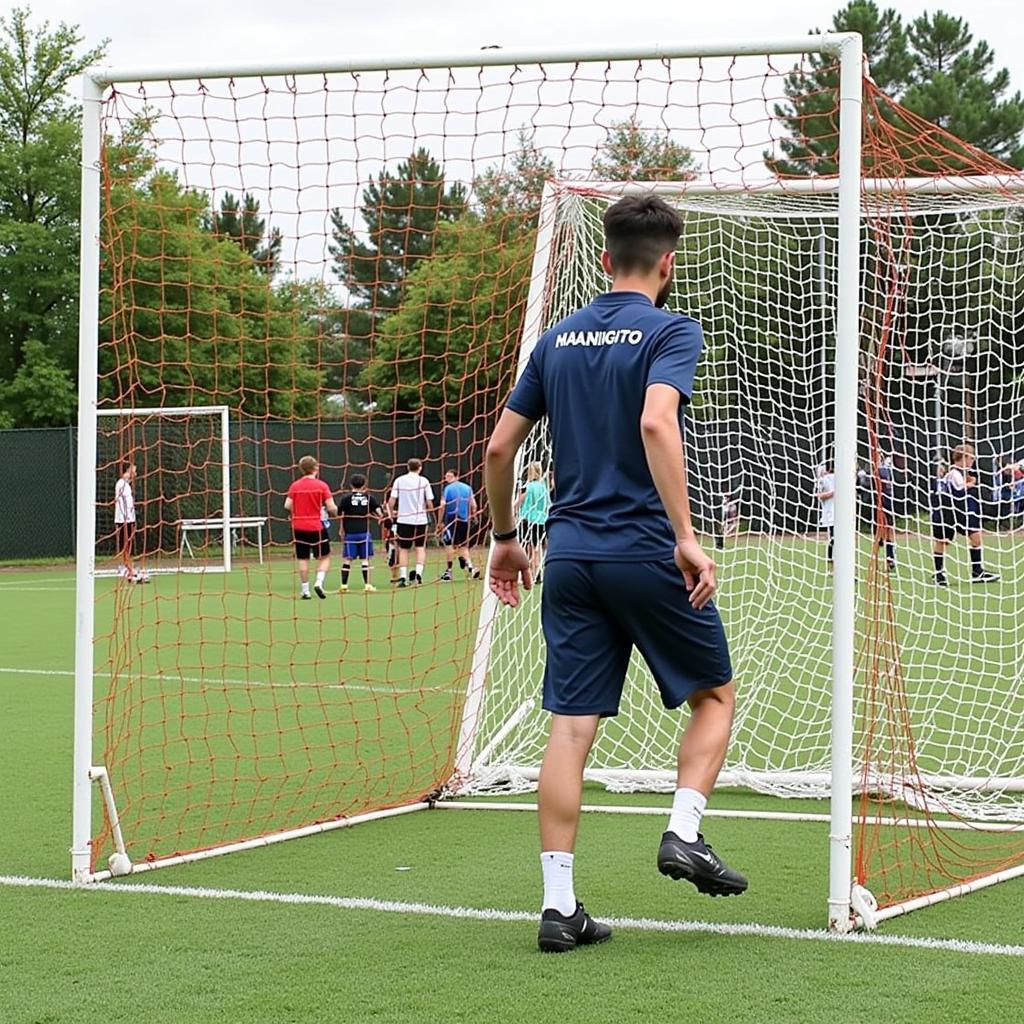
(508,564)
(698,571)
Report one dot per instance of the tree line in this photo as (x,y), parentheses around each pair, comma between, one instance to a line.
(428,289)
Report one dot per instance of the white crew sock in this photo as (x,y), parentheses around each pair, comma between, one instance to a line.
(403,572)
(305,587)
(687,809)
(558,891)
(320,577)
(419,568)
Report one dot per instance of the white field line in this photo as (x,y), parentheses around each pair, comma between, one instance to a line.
(168,677)
(643,924)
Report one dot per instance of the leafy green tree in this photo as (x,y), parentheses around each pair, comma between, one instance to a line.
(514,192)
(40,167)
(955,85)
(451,348)
(187,318)
(41,393)
(242,223)
(401,212)
(633,152)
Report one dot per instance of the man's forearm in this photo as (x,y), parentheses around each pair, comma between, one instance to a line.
(499,474)
(663,445)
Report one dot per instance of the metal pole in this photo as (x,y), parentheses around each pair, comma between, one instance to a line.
(843,594)
(225,477)
(85,545)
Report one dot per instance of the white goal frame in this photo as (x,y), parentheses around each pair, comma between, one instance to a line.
(847,47)
(222,414)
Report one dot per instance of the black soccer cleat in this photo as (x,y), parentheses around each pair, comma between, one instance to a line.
(474,574)
(446,576)
(417,578)
(402,583)
(698,863)
(559,934)
(320,592)
(984,577)
(306,597)
(940,579)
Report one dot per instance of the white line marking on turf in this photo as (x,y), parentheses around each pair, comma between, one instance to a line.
(646,924)
(169,677)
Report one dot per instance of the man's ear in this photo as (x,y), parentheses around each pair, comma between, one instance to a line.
(606,263)
(667,263)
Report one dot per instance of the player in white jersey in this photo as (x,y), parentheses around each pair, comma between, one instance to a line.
(956,510)
(124,524)
(411,504)
(825,492)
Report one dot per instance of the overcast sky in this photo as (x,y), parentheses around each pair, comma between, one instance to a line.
(201,31)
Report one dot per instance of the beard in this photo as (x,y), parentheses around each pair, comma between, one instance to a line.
(663,293)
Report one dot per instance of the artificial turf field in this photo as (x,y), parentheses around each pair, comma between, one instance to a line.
(380,935)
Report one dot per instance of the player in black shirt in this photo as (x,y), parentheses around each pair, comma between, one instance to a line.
(357,508)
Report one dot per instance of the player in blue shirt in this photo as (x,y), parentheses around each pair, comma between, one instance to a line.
(623,565)
(457,508)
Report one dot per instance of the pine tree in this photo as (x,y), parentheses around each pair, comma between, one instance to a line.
(242,223)
(811,114)
(954,85)
(401,212)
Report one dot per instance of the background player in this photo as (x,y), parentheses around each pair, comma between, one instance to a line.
(825,492)
(532,507)
(611,379)
(124,524)
(957,510)
(307,498)
(389,540)
(886,510)
(410,503)
(457,509)
(729,522)
(357,508)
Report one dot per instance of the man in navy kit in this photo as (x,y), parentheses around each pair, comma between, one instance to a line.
(623,567)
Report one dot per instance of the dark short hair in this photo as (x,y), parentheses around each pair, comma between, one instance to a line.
(358,480)
(638,231)
(454,472)
(413,464)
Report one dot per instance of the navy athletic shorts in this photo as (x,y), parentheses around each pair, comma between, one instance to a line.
(358,545)
(456,533)
(594,613)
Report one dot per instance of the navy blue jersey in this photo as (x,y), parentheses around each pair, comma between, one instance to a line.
(589,374)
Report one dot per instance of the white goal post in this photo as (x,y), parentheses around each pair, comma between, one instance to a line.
(218,414)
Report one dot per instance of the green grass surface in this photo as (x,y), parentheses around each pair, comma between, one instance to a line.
(82,956)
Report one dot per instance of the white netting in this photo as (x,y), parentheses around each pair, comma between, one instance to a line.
(759,272)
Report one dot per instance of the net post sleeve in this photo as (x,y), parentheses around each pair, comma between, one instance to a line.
(85,541)
(843,594)
(225,462)
(533,325)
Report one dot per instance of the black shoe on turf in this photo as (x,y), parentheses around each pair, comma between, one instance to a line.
(698,863)
(984,577)
(306,597)
(417,579)
(475,574)
(446,577)
(320,592)
(891,566)
(559,934)
(940,579)
(402,583)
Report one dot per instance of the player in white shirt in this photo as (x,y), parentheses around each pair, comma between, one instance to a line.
(124,524)
(411,504)
(956,510)
(825,492)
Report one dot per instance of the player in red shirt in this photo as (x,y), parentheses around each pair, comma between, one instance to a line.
(306,501)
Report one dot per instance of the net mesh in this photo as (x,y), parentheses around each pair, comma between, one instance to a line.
(345,261)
